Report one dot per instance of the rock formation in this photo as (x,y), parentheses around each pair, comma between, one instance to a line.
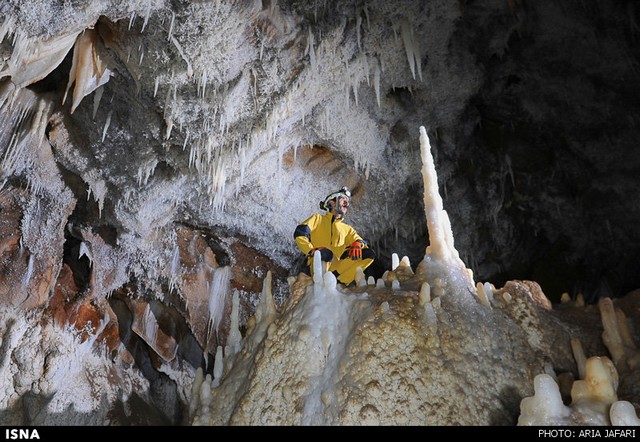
(156,156)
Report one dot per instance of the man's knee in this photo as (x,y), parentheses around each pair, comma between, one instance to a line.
(368,254)
(326,255)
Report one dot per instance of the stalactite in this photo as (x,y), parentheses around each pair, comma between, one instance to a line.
(218,291)
(29,272)
(7,28)
(131,20)
(409,46)
(147,14)
(32,59)
(107,123)
(23,120)
(171,23)
(96,102)
(88,69)
(183,55)
(311,51)
(358,25)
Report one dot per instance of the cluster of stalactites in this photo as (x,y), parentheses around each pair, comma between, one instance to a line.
(23,121)
(23,113)
(32,59)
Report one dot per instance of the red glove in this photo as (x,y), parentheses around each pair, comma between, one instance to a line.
(355,250)
(314,250)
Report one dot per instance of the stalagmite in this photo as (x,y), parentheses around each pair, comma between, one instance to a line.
(546,406)
(218,367)
(425,294)
(579,356)
(266,310)
(594,395)
(234,340)
(395,261)
(611,335)
(623,414)
(360,279)
(441,252)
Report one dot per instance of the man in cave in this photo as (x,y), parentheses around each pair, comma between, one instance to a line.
(342,250)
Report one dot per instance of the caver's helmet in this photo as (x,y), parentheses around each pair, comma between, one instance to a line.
(344,192)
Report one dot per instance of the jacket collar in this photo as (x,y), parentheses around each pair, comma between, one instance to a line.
(332,218)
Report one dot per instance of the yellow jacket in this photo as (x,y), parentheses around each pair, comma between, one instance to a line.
(325,231)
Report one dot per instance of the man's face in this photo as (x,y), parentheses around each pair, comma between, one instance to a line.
(341,208)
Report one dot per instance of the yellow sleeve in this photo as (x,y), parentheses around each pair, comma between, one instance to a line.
(353,236)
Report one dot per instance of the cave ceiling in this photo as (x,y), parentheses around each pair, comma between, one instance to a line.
(237,118)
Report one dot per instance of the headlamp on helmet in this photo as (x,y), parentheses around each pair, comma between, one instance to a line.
(344,192)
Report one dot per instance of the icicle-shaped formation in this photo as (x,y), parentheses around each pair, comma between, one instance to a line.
(376,80)
(175,270)
(412,49)
(88,70)
(7,28)
(218,296)
(311,50)
(358,25)
(145,171)
(26,278)
(183,55)
(107,123)
(84,251)
(173,18)
(96,102)
(23,120)
(147,14)
(131,20)
(202,84)
(98,187)
(33,59)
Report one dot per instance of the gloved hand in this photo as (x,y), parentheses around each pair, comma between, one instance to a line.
(355,250)
(314,250)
